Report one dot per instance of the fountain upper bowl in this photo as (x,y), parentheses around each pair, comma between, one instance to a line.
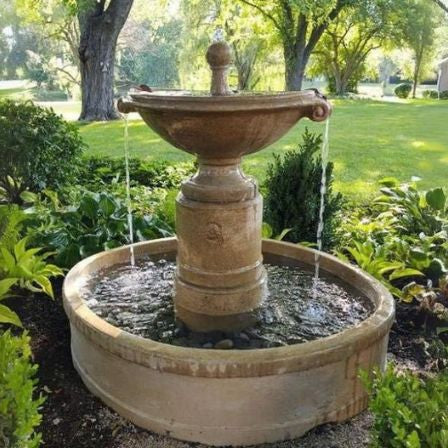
(224,127)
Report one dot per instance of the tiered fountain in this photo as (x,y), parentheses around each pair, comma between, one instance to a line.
(225,397)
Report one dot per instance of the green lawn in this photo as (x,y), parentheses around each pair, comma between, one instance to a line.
(368,140)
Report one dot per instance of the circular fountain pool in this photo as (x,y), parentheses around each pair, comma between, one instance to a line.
(139,299)
(231,397)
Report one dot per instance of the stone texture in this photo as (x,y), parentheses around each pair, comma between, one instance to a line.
(228,397)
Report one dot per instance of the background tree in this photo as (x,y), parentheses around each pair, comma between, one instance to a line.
(254,42)
(300,25)
(442,5)
(149,45)
(99,25)
(418,23)
(351,37)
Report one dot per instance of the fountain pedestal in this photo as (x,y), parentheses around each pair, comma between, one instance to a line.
(220,279)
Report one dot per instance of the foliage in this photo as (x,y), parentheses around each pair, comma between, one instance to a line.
(417,24)
(403,90)
(350,38)
(7,316)
(408,412)
(37,148)
(151,52)
(268,232)
(430,93)
(299,25)
(20,267)
(92,223)
(293,193)
(443,95)
(19,407)
(99,172)
(403,242)
(28,267)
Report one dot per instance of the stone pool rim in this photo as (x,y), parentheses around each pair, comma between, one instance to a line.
(213,363)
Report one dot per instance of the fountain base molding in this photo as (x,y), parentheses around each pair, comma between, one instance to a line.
(228,397)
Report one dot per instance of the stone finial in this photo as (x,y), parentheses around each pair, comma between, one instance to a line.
(219,56)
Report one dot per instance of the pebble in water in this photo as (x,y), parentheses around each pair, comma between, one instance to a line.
(140,300)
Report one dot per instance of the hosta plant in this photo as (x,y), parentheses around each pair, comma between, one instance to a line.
(28,267)
(96,222)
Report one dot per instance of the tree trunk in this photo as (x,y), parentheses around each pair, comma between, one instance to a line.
(99,29)
(295,64)
(418,63)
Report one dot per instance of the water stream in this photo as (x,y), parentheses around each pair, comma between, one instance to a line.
(128,189)
(323,190)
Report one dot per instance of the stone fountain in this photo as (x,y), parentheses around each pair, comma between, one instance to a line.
(231,397)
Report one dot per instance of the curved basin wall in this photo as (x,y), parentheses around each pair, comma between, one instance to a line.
(228,397)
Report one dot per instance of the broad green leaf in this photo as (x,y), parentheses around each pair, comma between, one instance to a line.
(283,233)
(436,198)
(266,230)
(407,272)
(20,248)
(389,182)
(107,205)
(7,316)
(5,286)
(45,284)
(28,197)
(8,258)
(88,206)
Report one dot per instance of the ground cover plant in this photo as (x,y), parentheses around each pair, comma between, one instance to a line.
(402,240)
(409,412)
(21,268)
(19,404)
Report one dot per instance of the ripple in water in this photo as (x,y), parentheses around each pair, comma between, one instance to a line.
(140,300)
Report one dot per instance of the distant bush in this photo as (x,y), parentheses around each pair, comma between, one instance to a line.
(432,94)
(444,95)
(38,149)
(408,412)
(293,194)
(403,90)
(19,408)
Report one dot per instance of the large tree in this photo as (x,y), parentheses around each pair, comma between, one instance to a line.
(349,39)
(300,25)
(443,4)
(417,24)
(100,25)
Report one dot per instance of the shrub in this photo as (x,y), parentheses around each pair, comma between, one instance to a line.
(403,90)
(38,149)
(19,410)
(92,223)
(408,412)
(433,94)
(99,172)
(293,194)
(444,95)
